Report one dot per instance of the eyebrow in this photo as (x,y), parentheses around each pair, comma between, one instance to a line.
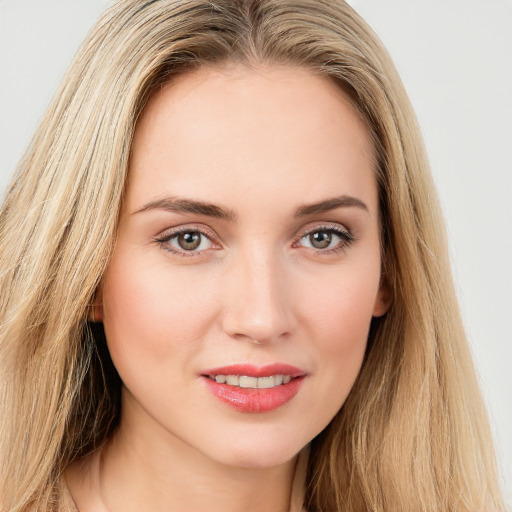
(330,204)
(181,205)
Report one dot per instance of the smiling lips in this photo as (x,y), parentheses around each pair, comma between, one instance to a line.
(248,388)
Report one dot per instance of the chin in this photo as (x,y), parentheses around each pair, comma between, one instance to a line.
(258,452)
(257,459)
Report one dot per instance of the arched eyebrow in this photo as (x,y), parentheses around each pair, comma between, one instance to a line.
(330,204)
(182,205)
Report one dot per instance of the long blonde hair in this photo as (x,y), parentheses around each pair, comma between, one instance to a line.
(413,433)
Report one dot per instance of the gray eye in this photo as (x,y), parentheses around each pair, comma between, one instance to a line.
(324,238)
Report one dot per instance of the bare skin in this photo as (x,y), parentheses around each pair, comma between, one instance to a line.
(249,235)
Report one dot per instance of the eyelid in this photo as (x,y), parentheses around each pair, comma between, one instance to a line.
(327,226)
(176,230)
(340,230)
(165,236)
(345,234)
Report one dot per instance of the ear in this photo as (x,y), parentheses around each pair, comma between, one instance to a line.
(384,297)
(96,309)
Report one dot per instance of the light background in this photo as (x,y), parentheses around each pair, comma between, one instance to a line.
(455,58)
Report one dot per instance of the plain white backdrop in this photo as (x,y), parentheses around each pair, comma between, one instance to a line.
(455,58)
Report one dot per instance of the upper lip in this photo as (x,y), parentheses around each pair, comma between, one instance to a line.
(250,370)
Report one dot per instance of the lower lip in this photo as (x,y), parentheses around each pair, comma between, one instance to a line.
(254,400)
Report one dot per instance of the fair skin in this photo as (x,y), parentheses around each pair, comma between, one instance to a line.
(282,265)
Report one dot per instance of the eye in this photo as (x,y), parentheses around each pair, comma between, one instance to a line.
(320,239)
(189,241)
(326,239)
(185,242)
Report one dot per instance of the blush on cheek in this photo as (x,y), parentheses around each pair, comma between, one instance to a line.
(130,316)
(343,312)
(154,311)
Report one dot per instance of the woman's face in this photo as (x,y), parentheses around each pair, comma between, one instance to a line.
(247,269)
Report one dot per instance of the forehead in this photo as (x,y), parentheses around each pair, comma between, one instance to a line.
(222,132)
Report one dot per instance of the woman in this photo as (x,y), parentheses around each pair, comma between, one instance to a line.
(230,290)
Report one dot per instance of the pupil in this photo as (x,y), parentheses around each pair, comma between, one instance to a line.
(320,239)
(189,241)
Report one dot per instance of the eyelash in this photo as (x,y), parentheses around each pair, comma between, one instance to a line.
(345,236)
(164,239)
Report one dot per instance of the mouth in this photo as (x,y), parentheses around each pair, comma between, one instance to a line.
(248,388)
(247,382)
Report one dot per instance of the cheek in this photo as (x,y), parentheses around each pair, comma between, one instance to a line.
(340,305)
(347,313)
(341,330)
(338,317)
(151,313)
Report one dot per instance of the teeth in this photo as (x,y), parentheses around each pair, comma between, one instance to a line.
(266,382)
(245,381)
(233,380)
(248,382)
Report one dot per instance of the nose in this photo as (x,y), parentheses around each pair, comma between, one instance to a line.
(257,305)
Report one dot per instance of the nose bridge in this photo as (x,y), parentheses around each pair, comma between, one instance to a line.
(257,305)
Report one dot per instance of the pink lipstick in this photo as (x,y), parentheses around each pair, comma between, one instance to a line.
(249,388)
